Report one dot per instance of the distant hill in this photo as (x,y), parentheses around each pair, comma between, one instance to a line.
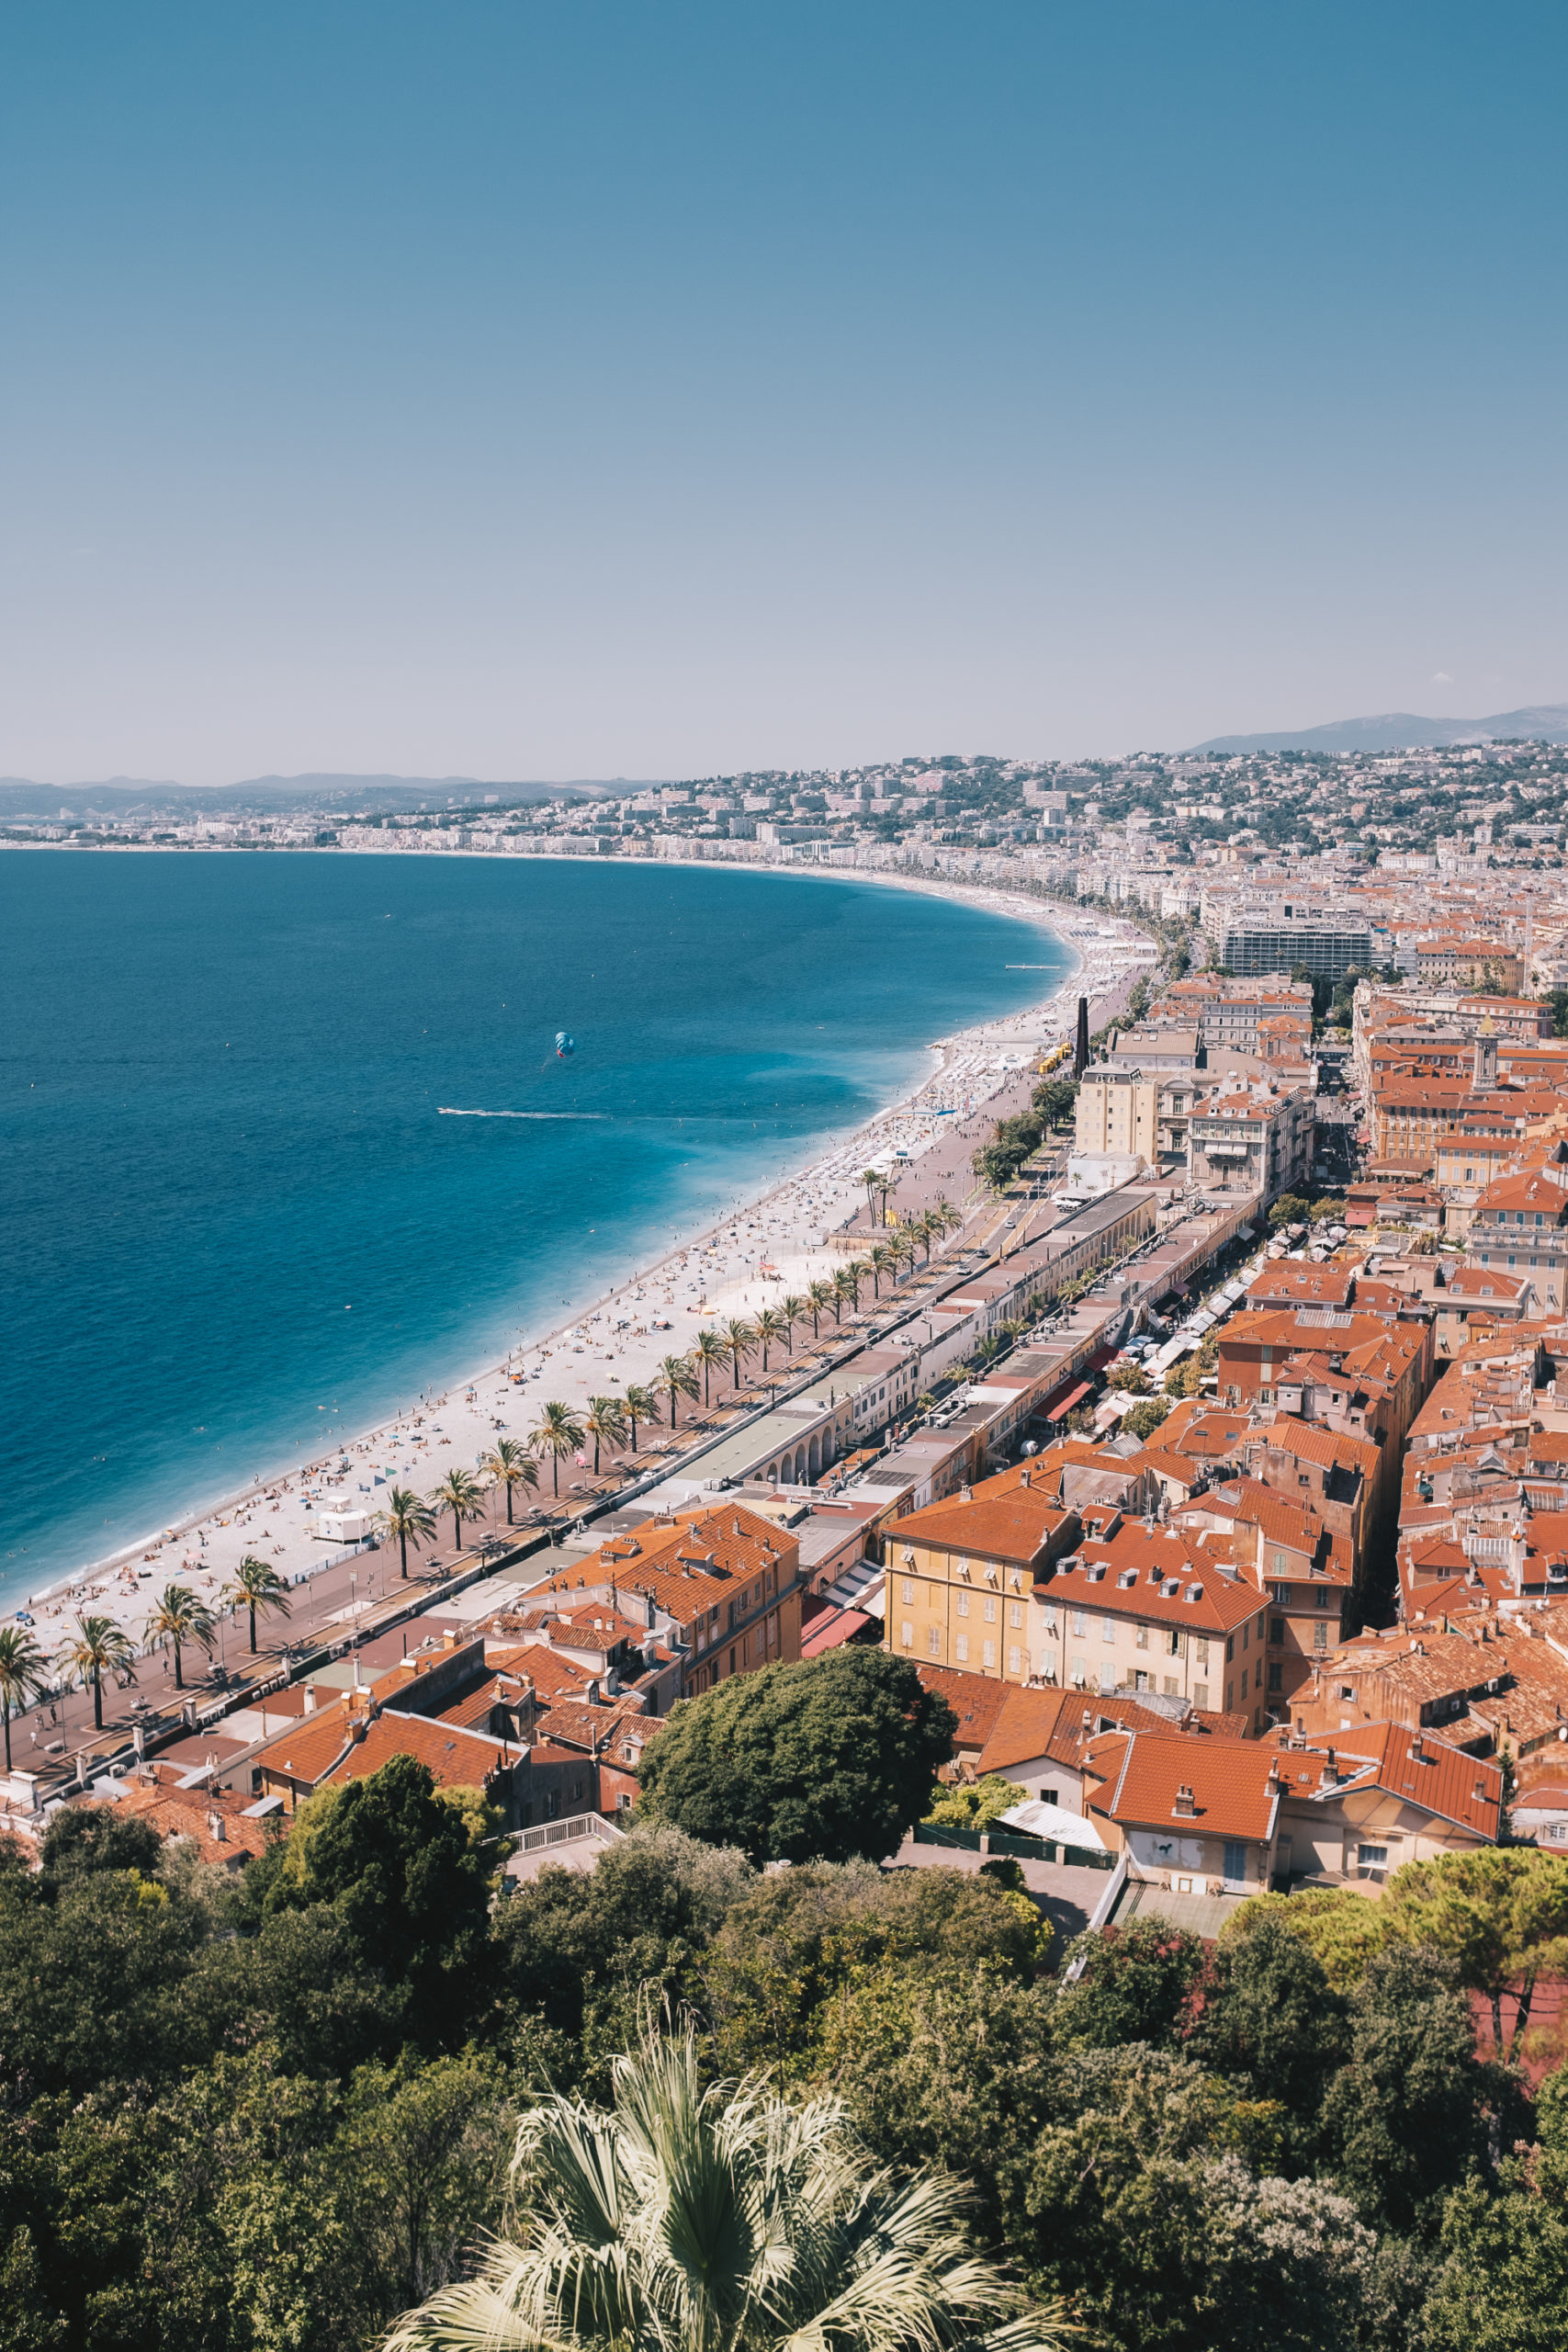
(1397,731)
(124,795)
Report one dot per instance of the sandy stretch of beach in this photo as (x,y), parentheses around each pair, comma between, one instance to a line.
(759,1254)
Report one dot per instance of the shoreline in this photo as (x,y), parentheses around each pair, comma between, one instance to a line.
(1019,1033)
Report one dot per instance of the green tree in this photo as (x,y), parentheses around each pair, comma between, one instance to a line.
(675,1379)
(399,1866)
(559,1432)
(1145,1419)
(509,1464)
(254,1585)
(461,1494)
(1289,1209)
(1499,1914)
(739,1338)
(822,1296)
(770,1331)
(1269,2014)
(24,1671)
(725,2220)
(605,1423)
(794,1308)
(406,1514)
(829,1757)
(641,1405)
(179,1616)
(1128,1985)
(1403,2119)
(708,1350)
(96,1647)
(975,1804)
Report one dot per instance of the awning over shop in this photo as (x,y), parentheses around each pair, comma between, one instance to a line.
(1074,1396)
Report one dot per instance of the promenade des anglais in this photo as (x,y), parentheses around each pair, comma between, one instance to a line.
(784,1161)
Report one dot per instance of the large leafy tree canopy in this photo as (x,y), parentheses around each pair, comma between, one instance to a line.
(826,1759)
(264,2117)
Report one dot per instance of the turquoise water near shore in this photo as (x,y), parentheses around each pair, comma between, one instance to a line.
(233,1217)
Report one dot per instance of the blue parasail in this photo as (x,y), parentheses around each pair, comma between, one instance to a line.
(566,1045)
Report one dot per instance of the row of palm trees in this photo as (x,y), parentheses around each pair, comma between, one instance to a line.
(96,1646)
(182,1620)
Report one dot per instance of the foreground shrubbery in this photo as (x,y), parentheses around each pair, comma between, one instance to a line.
(273,2116)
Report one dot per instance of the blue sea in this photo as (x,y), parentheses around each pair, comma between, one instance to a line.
(234,1216)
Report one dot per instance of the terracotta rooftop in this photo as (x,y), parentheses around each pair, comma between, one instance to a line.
(1233,1790)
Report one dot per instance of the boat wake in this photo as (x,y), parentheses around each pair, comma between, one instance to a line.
(445,1112)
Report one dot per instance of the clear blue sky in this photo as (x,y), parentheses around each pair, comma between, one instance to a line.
(653,389)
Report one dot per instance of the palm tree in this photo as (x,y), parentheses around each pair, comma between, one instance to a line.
(559,1432)
(641,1405)
(98,1646)
(676,1378)
(770,1331)
(181,1616)
(872,1178)
(605,1424)
(794,1309)
(740,1339)
(256,1586)
(858,1271)
(907,1246)
(24,1671)
(723,2220)
(820,1296)
(510,1465)
(461,1494)
(405,1514)
(884,1260)
(885,1184)
(709,1350)
(844,1286)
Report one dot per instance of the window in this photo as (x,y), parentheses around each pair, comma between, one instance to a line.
(1080,1625)
(907,1634)
(1230,1696)
(1276,1677)
(1050,1796)
(1244,1682)
(961,1649)
(1235,1859)
(1015,1614)
(1201,1697)
(1282,1564)
(1015,1659)
(1172,1687)
(1142,1681)
(1321,1596)
(1247,1634)
(1276,1629)
(1320,1637)
(933,1641)
(1078,1672)
(1141,1637)
(1230,1648)
(1371,1858)
(1107,1681)
(1174,1642)
(991,1611)
(988,1656)
(1201,1652)
(1108,1629)
(907,1592)
(963,1604)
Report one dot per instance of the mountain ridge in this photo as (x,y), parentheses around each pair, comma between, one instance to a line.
(1399,730)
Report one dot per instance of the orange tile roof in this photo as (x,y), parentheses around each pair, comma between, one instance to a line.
(1406,1765)
(976,1700)
(456,1758)
(1233,1784)
(1153,1561)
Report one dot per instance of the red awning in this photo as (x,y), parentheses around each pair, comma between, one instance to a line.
(1073,1397)
(829,1632)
